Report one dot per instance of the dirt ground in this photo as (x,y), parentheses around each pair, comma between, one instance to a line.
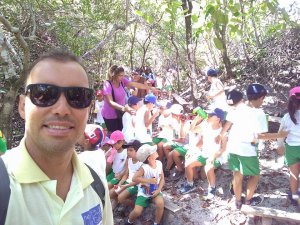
(195,210)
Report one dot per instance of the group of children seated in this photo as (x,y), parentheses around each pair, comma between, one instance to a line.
(139,157)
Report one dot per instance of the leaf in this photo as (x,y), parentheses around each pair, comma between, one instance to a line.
(195,18)
(149,19)
(236,14)
(209,10)
(218,43)
(271,7)
(139,13)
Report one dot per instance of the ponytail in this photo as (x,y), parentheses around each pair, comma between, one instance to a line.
(293,105)
(111,72)
(114,71)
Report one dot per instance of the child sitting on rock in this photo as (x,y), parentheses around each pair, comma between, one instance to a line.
(126,187)
(151,180)
(211,152)
(116,159)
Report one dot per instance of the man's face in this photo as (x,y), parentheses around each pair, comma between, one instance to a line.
(56,128)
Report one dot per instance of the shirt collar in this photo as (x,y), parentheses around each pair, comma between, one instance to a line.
(25,169)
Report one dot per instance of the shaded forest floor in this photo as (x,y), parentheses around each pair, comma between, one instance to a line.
(196,210)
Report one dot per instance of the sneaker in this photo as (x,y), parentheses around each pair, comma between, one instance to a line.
(238,204)
(231,188)
(293,201)
(254,201)
(211,193)
(187,188)
(166,173)
(176,175)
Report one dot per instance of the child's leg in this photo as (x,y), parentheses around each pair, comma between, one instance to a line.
(189,171)
(112,193)
(160,151)
(110,185)
(177,159)
(170,160)
(237,184)
(210,173)
(135,213)
(159,211)
(124,198)
(294,177)
(166,149)
(251,186)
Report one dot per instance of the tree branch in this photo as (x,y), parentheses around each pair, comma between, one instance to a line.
(100,45)
(20,40)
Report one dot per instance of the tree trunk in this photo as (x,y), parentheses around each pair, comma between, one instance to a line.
(221,35)
(177,60)
(258,43)
(243,28)
(187,6)
(132,46)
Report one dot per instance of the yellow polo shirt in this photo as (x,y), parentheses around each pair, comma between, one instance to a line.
(34,201)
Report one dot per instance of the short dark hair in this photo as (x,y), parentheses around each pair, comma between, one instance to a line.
(256,91)
(293,106)
(59,55)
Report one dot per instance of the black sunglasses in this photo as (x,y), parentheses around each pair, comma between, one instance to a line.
(44,95)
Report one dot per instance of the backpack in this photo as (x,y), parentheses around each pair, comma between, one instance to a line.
(97,185)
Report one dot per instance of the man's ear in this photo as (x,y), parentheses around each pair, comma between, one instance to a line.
(21,106)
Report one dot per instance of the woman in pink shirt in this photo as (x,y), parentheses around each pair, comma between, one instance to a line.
(115,97)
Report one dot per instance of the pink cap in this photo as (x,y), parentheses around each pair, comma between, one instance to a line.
(99,92)
(115,137)
(295,91)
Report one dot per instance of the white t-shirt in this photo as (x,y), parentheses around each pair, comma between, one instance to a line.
(209,144)
(96,160)
(141,130)
(118,165)
(246,122)
(128,127)
(166,129)
(98,109)
(159,81)
(133,168)
(220,100)
(149,172)
(293,138)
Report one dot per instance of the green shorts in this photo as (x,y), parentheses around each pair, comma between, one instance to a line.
(292,155)
(144,201)
(133,190)
(247,165)
(202,160)
(111,178)
(181,150)
(157,140)
(169,88)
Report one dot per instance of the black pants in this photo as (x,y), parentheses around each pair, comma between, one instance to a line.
(113,124)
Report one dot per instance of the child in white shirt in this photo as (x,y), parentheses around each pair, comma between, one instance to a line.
(116,158)
(151,180)
(98,107)
(129,120)
(291,122)
(216,93)
(145,118)
(211,155)
(126,187)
